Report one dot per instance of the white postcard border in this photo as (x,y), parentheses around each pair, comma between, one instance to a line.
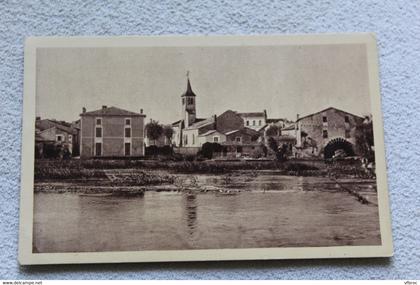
(26,256)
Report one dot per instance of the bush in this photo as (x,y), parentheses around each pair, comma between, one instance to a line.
(208,149)
(155,150)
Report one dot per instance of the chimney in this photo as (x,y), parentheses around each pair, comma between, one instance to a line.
(215,121)
(83,110)
(38,118)
(265,114)
(297,117)
(141,111)
(103,107)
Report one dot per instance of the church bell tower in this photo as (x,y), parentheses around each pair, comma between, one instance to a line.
(188,104)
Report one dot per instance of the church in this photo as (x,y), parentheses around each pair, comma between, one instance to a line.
(230,129)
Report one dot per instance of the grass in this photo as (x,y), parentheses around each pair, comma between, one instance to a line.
(85,169)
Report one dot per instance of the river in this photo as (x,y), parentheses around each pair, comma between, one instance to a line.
(270,211)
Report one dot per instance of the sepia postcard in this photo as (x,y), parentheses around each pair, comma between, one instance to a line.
(182,148)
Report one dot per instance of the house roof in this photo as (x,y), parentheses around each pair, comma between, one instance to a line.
(40,138)
(112,111)
(288,128)
(326,110)
(252,114)
(45,124)
(231,132)
(275,120)
(245,130)
(176,123)
(286,138)
(208,133)
(189,91)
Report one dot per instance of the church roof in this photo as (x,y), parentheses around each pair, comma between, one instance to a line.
(201,123)
(189,91)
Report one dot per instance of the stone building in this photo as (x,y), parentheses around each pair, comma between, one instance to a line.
(111,132)
(63,136)
(327,133)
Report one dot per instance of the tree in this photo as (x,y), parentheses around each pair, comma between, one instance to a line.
(272,131)
(153,130)
(273,144)
(168,132)
(364,138)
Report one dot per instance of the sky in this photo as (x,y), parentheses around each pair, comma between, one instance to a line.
(284,80)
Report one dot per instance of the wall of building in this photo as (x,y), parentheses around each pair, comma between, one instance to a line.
(112,136)
(229,121)
(210,138)
(254,122)
(190,138)
(246,138)
(336,127)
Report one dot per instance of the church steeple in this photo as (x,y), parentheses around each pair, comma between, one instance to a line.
(189,91)
(188,103)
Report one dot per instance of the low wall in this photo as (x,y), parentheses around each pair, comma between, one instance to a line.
(186,150)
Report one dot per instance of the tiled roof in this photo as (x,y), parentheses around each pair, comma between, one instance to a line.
(245,130)
(111,111)
(202,123)
(176,123)
(273,120)
(326,110)
(208,133)
(45,124)
(231,132)
(286,138)
(289,128)
(252,114)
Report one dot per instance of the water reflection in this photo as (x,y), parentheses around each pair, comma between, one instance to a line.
(190,213)
(270,211)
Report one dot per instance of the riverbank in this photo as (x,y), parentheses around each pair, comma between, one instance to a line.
(128,182)
(88,169)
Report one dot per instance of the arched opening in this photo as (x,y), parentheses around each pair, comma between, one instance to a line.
(338,147)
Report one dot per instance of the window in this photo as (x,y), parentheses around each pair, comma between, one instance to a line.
(98,132)
(238,139)
(215,139)
(325,134)
(127,132)
(185,139)
(346,119)
(347,133)
(183,101)
(193,139)
(324,119)
(259,123)
(127,149)
(70,138)
(98,121)
(253,122)
(98,149)
(128,122)
(247,122)
(59,138)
